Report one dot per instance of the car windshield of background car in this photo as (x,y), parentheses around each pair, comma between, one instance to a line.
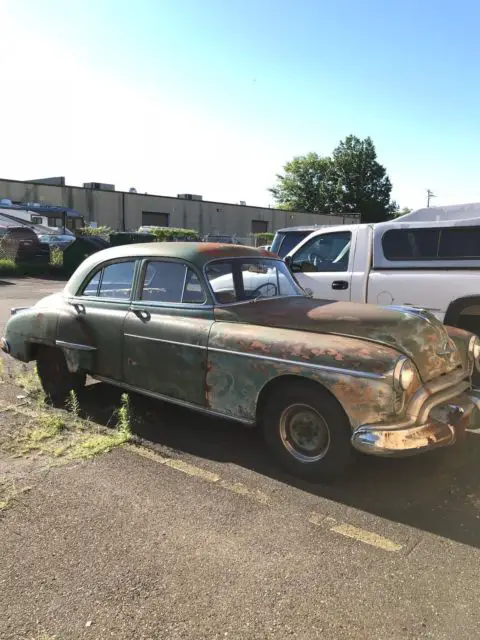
(250,278)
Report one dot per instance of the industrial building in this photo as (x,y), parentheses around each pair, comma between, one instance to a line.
(124,211)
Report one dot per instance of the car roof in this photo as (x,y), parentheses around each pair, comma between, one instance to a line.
(198,253)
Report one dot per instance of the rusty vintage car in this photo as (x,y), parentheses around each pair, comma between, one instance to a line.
(226,330)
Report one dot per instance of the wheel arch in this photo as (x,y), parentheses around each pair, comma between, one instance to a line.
(455,309)
(277,382)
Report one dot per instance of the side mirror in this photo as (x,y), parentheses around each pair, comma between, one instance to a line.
(288,261)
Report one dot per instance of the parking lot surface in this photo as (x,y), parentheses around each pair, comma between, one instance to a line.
(192,532)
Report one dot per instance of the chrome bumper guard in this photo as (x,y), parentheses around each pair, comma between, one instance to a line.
(438,415)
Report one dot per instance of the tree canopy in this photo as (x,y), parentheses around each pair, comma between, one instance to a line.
(351,180)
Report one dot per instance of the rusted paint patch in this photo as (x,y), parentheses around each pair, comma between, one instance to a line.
(425,341)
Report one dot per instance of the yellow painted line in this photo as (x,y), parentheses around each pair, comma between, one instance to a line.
(367,537)
(320,520)
(203,474)
(241,489)
(191,470)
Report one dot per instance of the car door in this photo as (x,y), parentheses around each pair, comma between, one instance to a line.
(166,332)
(91,324)
(323,265)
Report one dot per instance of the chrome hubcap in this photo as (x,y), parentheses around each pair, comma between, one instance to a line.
(304,433)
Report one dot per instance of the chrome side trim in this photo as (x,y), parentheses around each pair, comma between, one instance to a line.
(175,342)
(73,345)
(310,365)
(180,403)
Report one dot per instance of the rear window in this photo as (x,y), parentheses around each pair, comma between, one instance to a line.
(284,242)
(448,243)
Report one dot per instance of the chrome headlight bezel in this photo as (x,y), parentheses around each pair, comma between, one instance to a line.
(404,374)
(474,351)
(474,348)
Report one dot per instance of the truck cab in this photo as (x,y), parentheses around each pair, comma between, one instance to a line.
(431,264)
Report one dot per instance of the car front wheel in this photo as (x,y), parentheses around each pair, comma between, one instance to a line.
(56,379)
(307,431)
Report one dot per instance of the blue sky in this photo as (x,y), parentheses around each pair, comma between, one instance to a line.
(213,97)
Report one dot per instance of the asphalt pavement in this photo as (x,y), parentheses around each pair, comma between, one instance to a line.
(194,533)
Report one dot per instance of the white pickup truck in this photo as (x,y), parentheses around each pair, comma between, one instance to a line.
(431,264)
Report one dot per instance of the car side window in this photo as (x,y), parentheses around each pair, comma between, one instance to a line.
(328,252)
(167,281)
(91,288)
(114,281)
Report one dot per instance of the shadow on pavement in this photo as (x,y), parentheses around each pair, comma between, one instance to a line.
(437,492)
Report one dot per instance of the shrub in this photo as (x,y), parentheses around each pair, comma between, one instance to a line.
(94,231)
(263,238)
(170,234)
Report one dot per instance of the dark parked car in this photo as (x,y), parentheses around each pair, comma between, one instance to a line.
(225,330)
(287,239)
(22,244)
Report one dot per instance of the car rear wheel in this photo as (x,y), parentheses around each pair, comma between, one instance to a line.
(308,432)
(56,379)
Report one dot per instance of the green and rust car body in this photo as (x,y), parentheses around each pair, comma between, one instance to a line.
(225,359)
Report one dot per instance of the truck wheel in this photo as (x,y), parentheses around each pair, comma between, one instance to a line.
(308,432)
(57,381)
(472,324)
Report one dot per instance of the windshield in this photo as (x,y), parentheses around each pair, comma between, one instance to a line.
(240,279)
(284,242)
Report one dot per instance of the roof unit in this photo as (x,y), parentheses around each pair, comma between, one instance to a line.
(99,186)
(189,196)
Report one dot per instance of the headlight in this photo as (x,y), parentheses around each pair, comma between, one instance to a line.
(404,374)
(474,348)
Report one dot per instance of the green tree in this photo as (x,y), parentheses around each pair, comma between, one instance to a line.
(366,187)
(307,184)
(351,180)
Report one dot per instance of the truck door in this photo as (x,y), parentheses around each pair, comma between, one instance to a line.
(324,263)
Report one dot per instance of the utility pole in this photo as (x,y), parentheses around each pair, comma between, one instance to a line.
(430,195)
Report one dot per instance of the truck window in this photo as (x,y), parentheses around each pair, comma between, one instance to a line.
(326,252)
(283,243)
(459,243)
(448,243)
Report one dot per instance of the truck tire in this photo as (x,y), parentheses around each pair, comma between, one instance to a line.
(307,431)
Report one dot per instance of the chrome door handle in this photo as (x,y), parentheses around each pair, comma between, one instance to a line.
(79,308)
(142,314)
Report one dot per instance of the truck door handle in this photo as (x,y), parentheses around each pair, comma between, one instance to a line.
(339,284)
(142,314)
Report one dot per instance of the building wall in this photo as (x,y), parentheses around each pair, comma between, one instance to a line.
(120,210)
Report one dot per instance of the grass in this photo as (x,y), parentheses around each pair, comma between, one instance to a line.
(28,380)
(7,267)
(97,444)
(10,268)
(56,257)
(2,367)
(9,492)
(73,405)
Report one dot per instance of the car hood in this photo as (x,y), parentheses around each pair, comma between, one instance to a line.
(420,337)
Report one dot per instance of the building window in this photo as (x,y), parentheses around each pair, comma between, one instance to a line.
(452,243)
(259,226)
(155,219)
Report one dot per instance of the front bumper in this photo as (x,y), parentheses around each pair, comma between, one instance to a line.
(435,418)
